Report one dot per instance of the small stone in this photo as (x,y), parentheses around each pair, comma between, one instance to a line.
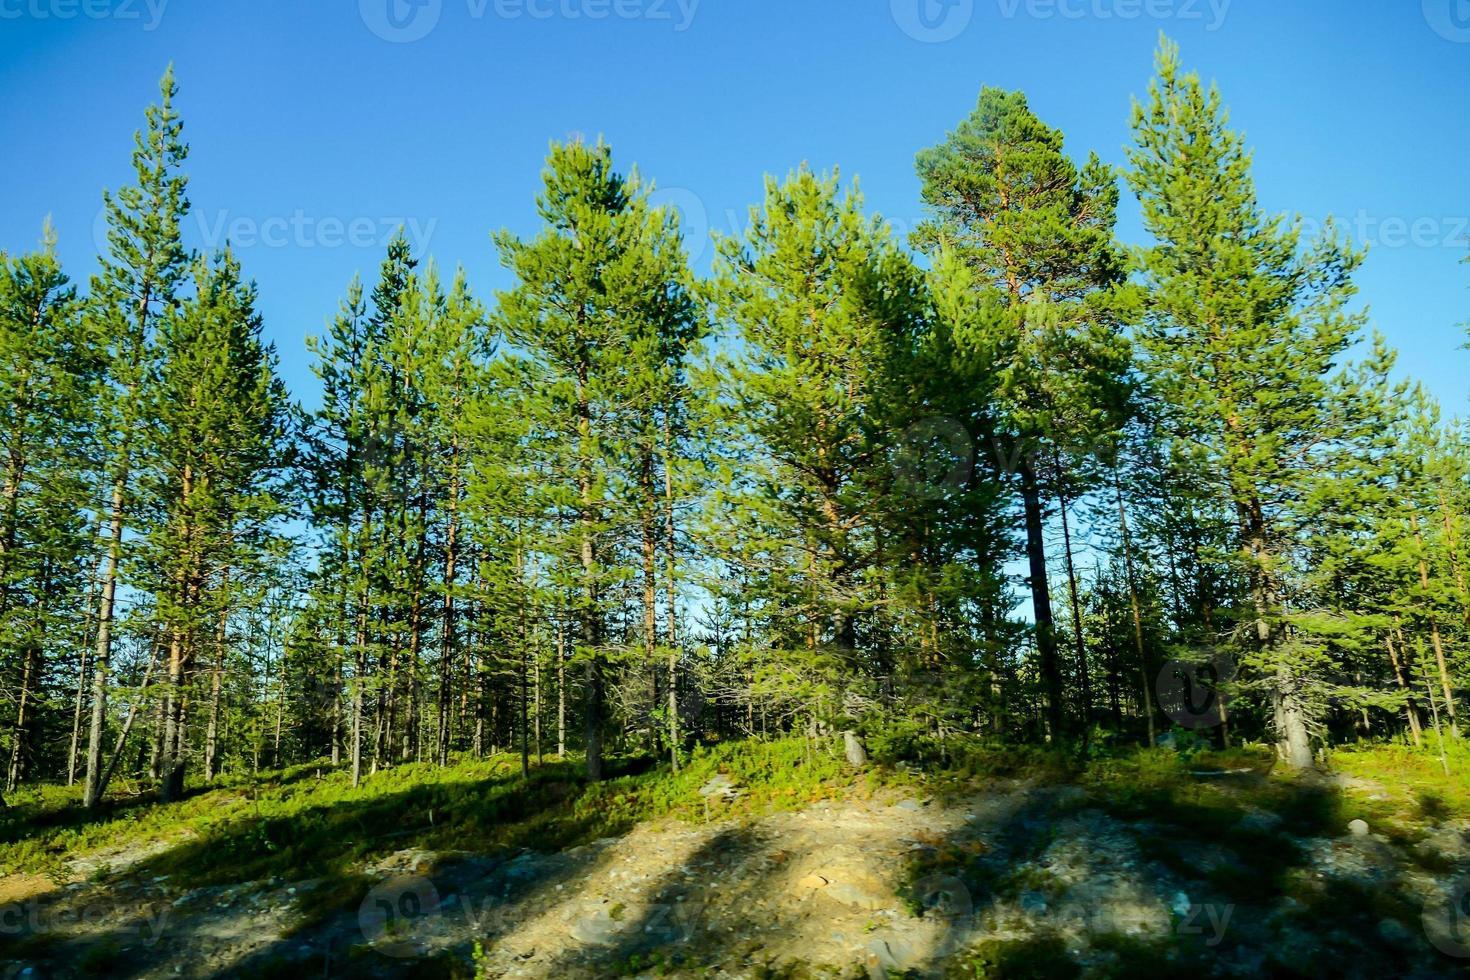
(1358,828)
(1034,903)
(1181,904)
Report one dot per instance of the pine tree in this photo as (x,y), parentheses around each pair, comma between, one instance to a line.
(829,311)
(1036,231)
(601,296)
(141,272)
(216,445)
(1242,341)
(47,383)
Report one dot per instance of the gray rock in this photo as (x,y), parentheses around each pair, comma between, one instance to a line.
(1358,828)
(886,955)
(593,927)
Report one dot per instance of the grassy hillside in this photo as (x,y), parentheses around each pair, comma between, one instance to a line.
(1264,834)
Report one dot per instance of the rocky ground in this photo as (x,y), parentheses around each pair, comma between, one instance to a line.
(1019,880)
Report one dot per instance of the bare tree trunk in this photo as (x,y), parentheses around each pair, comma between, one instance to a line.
(358,680)
(1080,642)
(280,711)
(22,719)
(671,626)
(1444,761)
(73,755)
(1146,687)
(561,690)
(172,776)
(1411,710)
(122,738)
(592,613)
(536,688)
(1446,688)
(646,520)
(216,682)
(447,644)
(1046,637)
(102,657)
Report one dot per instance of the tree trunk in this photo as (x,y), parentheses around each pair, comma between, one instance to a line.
(22,719)
(647,520)
(122,738)
(1146,688)
(671,627)
(1046,640)
(1446,688)
(1411,710)
(561,690)
(102,656)
(591,613)
(446,640)
(358,680)
(216,681)
(171,787)
(1081,644)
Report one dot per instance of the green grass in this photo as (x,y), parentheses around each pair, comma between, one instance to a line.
(309,822)
(1415,783)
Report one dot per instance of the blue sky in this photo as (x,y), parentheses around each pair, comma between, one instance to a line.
(319,125)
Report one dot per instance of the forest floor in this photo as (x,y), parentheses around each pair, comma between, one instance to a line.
(760,861)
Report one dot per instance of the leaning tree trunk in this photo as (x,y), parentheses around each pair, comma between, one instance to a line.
(1411,710)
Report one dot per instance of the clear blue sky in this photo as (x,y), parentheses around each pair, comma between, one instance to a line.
(317,125)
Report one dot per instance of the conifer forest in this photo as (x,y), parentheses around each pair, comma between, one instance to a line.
(1153,538)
